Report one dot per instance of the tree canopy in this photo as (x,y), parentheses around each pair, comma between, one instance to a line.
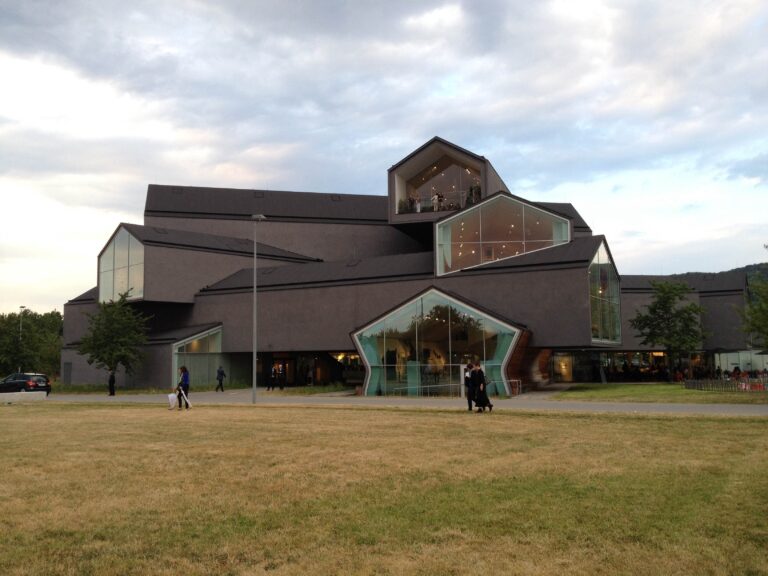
(115,336)
(669,322)
(30,341)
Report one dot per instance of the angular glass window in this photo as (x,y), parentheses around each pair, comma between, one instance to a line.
(501,227)
(121,267)
(201,354)
(422,348)
(604,298)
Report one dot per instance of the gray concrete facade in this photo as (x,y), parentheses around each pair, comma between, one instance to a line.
(329,264)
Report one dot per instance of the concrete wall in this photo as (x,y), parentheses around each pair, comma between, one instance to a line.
(154,371)
(631,304)
(76,320)
(235,312)
(553,304)
(327,241)
(82,372)
(720,321)
(176,275)
(320,319)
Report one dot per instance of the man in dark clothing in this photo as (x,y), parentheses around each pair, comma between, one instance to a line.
(220,375)
(111,383)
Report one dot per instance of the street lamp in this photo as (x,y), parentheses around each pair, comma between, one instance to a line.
(21,318)
(256,219)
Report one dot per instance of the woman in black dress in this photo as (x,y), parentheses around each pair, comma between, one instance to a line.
(481,394)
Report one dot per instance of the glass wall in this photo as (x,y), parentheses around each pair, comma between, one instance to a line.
(604,298)
(444,185)
(121,268)
(422,348)
(202,356)
(500,228)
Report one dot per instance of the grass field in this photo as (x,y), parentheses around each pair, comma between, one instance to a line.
(209,387)
(287,490)
(656,392)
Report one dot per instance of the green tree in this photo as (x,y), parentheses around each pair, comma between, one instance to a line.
(669,322)
(31,341)
(755,313)
(115,336)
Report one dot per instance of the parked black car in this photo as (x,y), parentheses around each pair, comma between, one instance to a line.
(26,382)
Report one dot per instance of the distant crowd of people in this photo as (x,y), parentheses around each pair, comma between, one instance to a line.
(660,373)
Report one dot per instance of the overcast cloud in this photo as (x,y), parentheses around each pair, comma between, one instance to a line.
(650,117)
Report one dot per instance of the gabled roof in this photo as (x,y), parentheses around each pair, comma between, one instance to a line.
(155,236)
(239,204)
(437,140)
(563,209)
(567,210)
(579,252)
(89,296)
(396,266)
(448,294)
(702,282)
(170,336)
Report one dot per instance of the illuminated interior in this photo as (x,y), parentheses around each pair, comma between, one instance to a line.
(445,184)
(499,228)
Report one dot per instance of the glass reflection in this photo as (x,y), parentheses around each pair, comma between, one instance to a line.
(421,349)
(604,298)
(121,268)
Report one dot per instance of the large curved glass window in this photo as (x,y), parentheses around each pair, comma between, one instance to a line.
(422,348)
(121,268)
(445,184)
(500,228)
(604,298)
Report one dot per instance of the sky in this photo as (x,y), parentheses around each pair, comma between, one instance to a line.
(649,116)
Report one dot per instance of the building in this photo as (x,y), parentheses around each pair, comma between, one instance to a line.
(396,293)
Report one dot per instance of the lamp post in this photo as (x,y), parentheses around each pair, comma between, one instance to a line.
(21,323)
(256,219)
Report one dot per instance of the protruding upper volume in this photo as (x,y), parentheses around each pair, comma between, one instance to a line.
(501,226)
(438,178)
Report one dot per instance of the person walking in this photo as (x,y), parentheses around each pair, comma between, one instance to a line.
(183,387)
(111,383)
(469,387)
(220,375)
(481,393)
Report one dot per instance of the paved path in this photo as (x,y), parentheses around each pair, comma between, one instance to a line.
(532,401)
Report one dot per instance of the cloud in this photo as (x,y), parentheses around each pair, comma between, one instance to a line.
(755,168)
(567,99)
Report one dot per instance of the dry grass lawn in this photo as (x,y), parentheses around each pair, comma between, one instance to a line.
(288,490)
(667,392)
